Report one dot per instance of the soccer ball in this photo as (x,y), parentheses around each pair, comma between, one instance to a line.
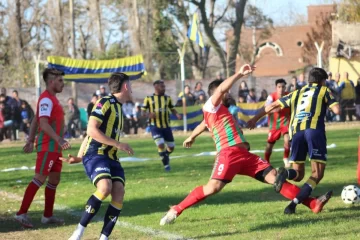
(350,194)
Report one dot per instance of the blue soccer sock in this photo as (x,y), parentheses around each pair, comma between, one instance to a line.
(111,217)
(305,191)
(292,174)
(164,158)
(92,207)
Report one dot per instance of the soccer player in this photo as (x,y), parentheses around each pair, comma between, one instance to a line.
(233,155)
(278,122)
(158,106)
(49,123)
(100,156)
(307,131)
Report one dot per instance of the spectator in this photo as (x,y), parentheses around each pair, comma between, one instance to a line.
(346,91)
(6,111)
(72,117)
(234,109)
(293,85)
(251,98)
(137,115)
(128,110)
(301,82)
(331,84)
(2,122)
(189,97)
(103,92)
(219,76)
(16,114)
(201,100)
(8,100)
(357,100)
(242,99)
(264,96)
(243,90)
(25,119)
(91,104)
(199,91)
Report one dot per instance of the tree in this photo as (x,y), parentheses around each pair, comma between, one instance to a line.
(349,11)
(321,32)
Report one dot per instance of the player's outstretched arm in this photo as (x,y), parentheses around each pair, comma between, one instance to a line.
(262,112)
(76,159)
(336,109)
(29,146)
(197,131)
(225,86)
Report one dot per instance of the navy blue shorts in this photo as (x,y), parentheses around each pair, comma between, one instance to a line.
(309,141)
(164,133)
(102,167)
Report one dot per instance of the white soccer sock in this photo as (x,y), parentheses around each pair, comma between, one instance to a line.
(80,229)
(103,237)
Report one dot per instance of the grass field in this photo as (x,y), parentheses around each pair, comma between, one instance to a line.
(245,209)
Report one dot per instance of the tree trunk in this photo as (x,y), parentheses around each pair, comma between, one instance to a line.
(99,26)
(234,44)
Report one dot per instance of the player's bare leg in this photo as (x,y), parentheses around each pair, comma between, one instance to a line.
(286,150)
(50,191)
(114,209)
(268,151)
(198,194)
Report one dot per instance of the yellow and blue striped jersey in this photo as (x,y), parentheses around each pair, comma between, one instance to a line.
(160,105)
(308,107)
(107,111)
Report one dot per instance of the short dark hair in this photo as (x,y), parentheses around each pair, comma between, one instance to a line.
(280,80)
(158,82)
(51,73)
(317,75)
(198,84)
(213,85)
(15,91)
(3,95)
(116,81)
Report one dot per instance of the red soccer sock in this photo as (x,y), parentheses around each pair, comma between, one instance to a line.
(267,156)
(286,152)
(194,197)
(29,195)
(290,191)
(50,191)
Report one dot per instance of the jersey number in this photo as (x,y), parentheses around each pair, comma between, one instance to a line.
(305,100)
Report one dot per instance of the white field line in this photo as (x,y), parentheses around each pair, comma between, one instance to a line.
(69,211)
(134,159)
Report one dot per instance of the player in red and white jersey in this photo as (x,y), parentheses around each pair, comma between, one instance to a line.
(49,124)
(278,122)
(233,155)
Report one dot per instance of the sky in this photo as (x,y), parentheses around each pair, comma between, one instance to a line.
(279,10)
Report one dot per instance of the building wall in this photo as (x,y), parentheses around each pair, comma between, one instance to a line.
(341,65)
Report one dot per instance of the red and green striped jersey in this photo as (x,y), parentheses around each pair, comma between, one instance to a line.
(277,120)
(48,107)
(225,130)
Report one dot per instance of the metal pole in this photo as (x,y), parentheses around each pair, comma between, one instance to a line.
(73,55)
(37,76)
(319,51)
(182,68)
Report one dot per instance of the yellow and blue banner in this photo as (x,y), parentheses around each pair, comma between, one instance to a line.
(195,115)
(194,31)
(97,71)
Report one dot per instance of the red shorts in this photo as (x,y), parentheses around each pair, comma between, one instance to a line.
(47,162)
(234,160)
(275,135)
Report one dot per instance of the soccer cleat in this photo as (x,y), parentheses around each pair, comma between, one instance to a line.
(167,168)
(103,237)
(169,217)
(24,220)
(52,220)
(321,201)
(286,163)
(281,176)
(289,210)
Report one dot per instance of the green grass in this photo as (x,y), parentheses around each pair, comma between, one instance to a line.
(245,209)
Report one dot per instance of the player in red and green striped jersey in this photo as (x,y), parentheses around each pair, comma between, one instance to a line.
(49,123)
(233,155)
(278,123)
